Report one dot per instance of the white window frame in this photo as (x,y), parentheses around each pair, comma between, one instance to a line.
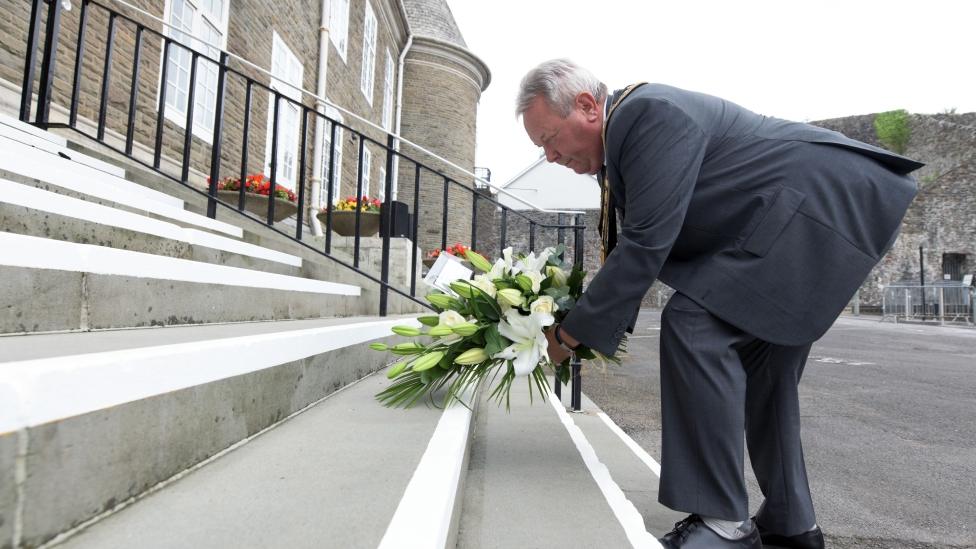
(339,26)
(388,92)
(366,167)
(333,114)
(204,97)
(370,30)
(288,137)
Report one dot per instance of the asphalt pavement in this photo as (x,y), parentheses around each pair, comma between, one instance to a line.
(889,428)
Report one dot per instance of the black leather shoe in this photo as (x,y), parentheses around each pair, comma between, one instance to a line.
(807,540)
(692,533)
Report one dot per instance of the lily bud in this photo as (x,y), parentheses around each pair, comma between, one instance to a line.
(406,331)
(379,346)
(407,348)
(426,362)
(431,320)
(440,330)
(462,288)
(478,261)
(397,369)
(471,356)
(510,296)
(443,301)
(524,282)
(557,275)
(466,329)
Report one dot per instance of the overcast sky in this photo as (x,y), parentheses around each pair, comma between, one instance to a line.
(795,60)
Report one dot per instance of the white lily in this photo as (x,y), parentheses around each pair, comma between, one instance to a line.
(533,263)
(536,279)
(529,342)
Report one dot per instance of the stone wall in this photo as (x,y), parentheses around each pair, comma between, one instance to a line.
(942,219)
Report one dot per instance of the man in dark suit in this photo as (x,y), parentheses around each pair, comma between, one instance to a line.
(765,228)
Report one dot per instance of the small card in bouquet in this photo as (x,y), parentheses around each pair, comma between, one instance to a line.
(445,270)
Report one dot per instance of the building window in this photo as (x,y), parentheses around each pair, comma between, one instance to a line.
(369,54)
(367,162)
(332,114)
(286,79)
(202,26)
(339,25)
(388,93)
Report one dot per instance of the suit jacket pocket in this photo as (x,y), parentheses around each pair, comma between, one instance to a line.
(777,217)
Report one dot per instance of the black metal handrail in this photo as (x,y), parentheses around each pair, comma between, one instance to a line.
(225,74)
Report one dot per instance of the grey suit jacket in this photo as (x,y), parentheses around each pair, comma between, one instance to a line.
(768,224)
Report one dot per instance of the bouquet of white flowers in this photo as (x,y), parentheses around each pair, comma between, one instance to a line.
(492,324)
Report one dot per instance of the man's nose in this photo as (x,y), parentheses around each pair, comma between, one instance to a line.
(551,154)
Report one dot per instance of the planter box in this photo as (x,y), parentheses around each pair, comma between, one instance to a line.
(344,222)
(258,204)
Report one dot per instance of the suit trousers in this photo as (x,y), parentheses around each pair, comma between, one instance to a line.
(716,382)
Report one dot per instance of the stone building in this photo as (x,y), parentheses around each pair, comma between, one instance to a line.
(401,65)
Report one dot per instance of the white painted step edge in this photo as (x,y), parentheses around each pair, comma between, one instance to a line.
(34,392)
(424,515)
(39,199)
(43,253)
(31,162)
(104,172)
(18,135)
(33,130)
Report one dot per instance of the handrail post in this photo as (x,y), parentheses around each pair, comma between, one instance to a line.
(474,220)
(387,229)
(48,64)
(577,388)
(503,230)
(218,130)
(578,240)
(27,86)
(531,236)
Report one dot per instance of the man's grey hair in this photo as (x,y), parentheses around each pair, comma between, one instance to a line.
(559,81)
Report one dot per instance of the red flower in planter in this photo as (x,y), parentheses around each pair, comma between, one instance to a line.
(257,184)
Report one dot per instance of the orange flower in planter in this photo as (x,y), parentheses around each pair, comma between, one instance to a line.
(258,184)
(457,250)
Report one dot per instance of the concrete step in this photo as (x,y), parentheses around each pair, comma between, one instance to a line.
(44,140)
(330,477)
(52,285)
(112,414)
(541,477)
(24,162)
(29,210)
(255,232)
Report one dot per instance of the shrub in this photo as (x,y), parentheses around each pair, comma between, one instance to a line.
(893,130)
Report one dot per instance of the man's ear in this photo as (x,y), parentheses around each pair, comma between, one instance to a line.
(587,104)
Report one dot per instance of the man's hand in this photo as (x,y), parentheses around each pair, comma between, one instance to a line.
(556,353)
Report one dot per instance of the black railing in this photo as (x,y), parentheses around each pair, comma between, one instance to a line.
(230,78)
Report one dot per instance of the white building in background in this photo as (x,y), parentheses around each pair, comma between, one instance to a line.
(552,187)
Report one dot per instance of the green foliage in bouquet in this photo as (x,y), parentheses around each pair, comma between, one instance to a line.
(491,329)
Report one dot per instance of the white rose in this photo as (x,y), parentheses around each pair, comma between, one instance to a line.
(544,304)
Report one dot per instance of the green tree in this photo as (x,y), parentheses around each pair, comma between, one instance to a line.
(893,130)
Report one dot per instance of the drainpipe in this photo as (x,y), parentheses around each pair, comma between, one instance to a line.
(399,105)
(320,122)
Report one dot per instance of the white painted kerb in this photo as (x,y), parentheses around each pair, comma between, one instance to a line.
(623,509)
(34,392)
